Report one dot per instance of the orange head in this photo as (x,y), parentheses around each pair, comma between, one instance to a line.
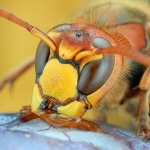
(75,38)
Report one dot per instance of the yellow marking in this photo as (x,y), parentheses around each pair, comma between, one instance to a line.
(73,109)
(85,53)
(67,51)
(51,55)
(53,35)
(36,98)
(59,80)
(88,59)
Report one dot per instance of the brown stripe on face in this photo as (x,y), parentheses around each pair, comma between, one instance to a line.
(49,101)
(95,73)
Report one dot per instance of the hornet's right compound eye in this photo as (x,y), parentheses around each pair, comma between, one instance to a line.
(42,56)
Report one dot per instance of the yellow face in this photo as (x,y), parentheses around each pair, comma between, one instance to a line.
(59,80)
(68,79)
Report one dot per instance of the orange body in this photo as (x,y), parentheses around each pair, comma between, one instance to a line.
(61,79)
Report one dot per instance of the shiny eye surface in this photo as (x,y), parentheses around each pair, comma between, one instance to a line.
(78,34)
(42,55)
(95,74)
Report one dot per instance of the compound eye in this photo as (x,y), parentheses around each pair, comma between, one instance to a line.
(78,34)
(95,74)
(42,56)
(62,28)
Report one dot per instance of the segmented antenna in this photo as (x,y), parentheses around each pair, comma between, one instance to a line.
(33,30)
(137,56)
(125,51)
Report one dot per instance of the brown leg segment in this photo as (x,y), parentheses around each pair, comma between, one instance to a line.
(142,115)
(17,71)
(143,108)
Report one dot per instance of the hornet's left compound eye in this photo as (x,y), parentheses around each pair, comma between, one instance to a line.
(42,56)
